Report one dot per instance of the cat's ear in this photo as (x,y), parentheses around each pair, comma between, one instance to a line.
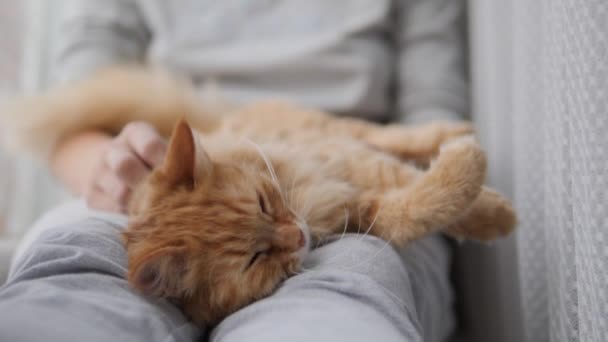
(159,273)
(186,161)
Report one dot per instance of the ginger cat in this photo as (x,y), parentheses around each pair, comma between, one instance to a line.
(238,202)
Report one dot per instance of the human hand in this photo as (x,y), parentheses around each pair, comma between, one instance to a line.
(124,162)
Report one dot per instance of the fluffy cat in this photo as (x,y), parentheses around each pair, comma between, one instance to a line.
(239,201)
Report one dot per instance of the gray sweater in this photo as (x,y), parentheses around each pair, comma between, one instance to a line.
(378,59)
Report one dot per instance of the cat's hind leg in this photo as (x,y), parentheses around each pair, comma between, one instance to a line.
(490,216)
(436,199)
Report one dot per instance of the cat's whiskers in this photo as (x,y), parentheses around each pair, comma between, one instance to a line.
(346,217)
(346,221)
(360,238)
(299,202)
(369,260)
(375,255)
(372,224)
(359,218)
(270,168)
(319,241)
(300,270)
(292,195)
(295,210)
(307,208)
(291,189)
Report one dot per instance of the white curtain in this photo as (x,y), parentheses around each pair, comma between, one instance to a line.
(561,146)
(541,73)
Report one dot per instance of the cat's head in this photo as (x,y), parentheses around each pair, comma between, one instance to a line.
(210,236)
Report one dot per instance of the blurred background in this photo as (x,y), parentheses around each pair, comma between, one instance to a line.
(12,26)
(28,190)
(539,72)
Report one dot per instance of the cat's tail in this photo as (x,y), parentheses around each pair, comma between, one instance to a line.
(107,101)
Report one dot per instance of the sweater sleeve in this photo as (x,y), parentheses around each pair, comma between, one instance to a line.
(94,34)
(432,81)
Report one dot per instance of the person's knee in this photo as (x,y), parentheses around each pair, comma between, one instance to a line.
(354,252)
(69,245)
(62,220)
(363,255)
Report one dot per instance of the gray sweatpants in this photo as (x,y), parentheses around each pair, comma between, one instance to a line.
(67,284)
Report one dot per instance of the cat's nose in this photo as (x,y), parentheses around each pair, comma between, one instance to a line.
(289,237)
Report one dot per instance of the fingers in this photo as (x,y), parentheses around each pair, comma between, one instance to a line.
(145,142)
(107,191)
(124,164)
(114,187)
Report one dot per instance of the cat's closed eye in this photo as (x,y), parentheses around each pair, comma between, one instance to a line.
(255,258)
(263,205)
